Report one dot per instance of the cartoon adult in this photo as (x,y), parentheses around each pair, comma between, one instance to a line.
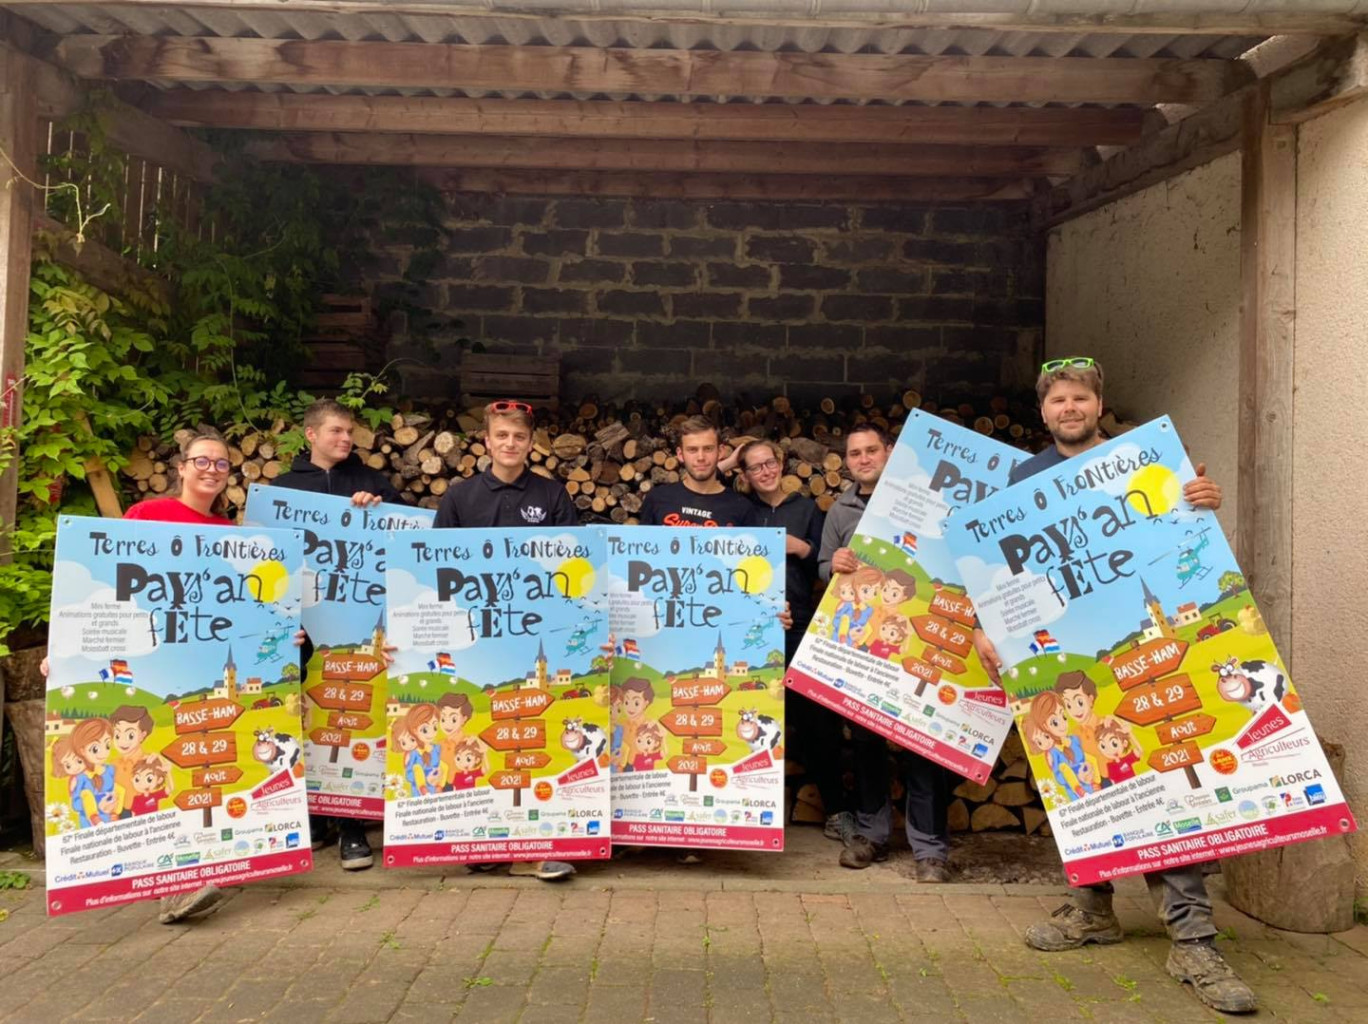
(1070,393)
(131,725)
(1071,769)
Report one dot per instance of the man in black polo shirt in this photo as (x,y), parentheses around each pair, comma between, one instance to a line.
(700,498)
(509,494)
(1070,393)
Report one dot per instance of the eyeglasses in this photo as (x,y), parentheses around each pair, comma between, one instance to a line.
(203,462)
(504,405)
(763,467)
(1070,363)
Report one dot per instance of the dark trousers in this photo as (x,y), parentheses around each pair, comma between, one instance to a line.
(928,787)
(819,731)
(1179,895)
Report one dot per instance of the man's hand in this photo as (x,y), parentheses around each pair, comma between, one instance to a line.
(388,654)
(797,546)
(1201,491)
(786,617)
(361,499)
(300,636)
(988,654)
(844,560)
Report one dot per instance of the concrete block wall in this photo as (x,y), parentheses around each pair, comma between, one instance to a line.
(646,298)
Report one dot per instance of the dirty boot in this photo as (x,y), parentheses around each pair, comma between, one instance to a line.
(1197,962)
(1070,927)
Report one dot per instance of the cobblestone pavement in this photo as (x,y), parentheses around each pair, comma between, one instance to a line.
(637,941)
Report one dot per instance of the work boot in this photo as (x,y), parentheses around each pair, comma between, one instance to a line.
(932,871)
(1070,927)
(353,848)
(1198,963)
(839,826)
(321,831)
(189,904)
(859,853)
(546,870)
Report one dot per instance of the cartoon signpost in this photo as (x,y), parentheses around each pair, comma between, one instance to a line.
(1155,697)
(948,632)
(520,734)
(200,744)
(694,719)
(346,696)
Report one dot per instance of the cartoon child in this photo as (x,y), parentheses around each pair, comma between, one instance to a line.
(422,723)
(1118,749)
(414,770)
(840,619)
(467,764)
(897,587)
(893,633)
(150,785)
(92,740)
(615,716)
(637,694)
(868,582)
(132,725)
(1064,753)
(649,740)
(1078,694)
(67,764)
(454,712)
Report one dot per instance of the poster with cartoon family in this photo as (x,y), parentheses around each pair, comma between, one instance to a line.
(172,734)
(345,682)
(497,718)
(1161,724)
(696,654)
(891,645)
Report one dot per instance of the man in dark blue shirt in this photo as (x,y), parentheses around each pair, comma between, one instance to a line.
(1070,393)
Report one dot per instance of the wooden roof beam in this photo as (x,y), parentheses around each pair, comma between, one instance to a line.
(667,155)
(740,122)
(671,72)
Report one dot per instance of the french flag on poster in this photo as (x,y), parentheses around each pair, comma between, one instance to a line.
(443,664)
(118,672)
(908,543)
(1044,643)
(631,650)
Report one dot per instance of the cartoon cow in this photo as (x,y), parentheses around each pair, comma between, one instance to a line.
(760,731)
(1255,684)
(583,739)
(276,750)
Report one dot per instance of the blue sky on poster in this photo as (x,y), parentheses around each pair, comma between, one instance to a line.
(84,582)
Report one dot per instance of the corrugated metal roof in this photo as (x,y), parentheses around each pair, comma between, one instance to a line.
(495,29)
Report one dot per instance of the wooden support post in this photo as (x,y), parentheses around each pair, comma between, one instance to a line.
(19,140)
(1268,254)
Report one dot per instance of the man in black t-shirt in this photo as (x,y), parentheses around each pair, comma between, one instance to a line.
(700,498)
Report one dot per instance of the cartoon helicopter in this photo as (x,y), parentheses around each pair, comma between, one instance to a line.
(268,649)
(755,636)
(579,638)
(1189,554)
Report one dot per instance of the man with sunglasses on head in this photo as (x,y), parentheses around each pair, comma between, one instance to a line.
(330,466)
(1070,393)
(509,494)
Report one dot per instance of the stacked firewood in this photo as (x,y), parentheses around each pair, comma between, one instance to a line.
(608,456)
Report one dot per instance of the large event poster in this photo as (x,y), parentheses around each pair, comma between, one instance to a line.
(891,646)
(1159,719)
(345,682)
(498,704)
(172,737)
(697,656)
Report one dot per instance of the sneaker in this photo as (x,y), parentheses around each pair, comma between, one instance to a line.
(546,870)
(859,853)
(1198,963)
(932,871)
(840,826)
(189,904)
(688,857)
(354,850)
(1070,927)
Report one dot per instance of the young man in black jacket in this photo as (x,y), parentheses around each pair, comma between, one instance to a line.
(330,466)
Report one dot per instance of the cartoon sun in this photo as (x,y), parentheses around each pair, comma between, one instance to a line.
(575,577)
(270,581)
(1154,490)
(754,574)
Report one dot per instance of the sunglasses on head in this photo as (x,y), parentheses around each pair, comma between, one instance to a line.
(1070,363)
(505,405)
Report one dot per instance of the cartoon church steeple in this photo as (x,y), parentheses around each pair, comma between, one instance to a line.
(541,666)
(720,659)
(378,636)
(230,677)
(1156,612)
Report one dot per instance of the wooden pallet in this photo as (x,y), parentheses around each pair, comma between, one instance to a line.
(486,377)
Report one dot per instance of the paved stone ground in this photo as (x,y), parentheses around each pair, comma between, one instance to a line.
(790,940)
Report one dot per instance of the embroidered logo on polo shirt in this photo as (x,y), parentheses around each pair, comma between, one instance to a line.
(533,513)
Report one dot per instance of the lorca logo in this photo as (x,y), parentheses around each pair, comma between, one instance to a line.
(1278,781)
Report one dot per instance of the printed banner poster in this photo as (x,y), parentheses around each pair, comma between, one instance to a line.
(498,704)
(1159,719)
(891,646)
(172,732)
(345,682)
(696,652)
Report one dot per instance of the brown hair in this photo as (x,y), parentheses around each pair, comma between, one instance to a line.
(519,416)
(399,728)
(638,685)
(614,694)
(743,483)
(1111,727)
(903,579)
(151,764)
(901,624)
(316,414)
(61,750)
(1043,705)
(420,715)
(694,425)
(220,503)
(649,729)
(1076,681)
(87,732)
(469,746)
(885,438)
(1091,377)
(138,716)
(867,575)
(457,702)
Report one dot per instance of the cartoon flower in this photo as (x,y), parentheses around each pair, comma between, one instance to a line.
(394,783)
(66,825)
(55,813)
